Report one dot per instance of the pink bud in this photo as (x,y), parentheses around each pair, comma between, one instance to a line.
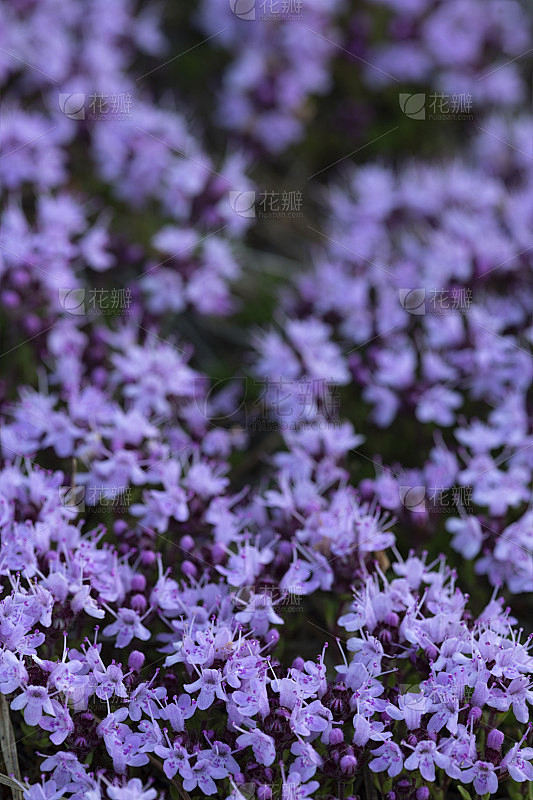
(392,619)
(189,569)
(138,603)
(187,542)
(475,714)
(336,736)
(495,740)
(136,660)
(148,557)
(99,376)
(348,765)
(272,637)
(120,526)
(218,554)
(10,299)
(138,583)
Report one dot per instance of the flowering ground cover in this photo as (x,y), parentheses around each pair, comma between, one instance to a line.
(266,465)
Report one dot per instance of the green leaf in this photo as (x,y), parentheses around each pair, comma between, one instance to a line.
(8,746)
(515,790)
(463,792)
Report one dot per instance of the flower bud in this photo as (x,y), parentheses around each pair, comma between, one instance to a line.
(403,786)
(99,377)
(348,765)
(148,558)
(218,554)
(422,793)
(138,602)
(32,323)
(272,637)
(336,736)
(189,569)
(264,792)
(187,542)
(495,740)
(283,552)
(366,488)
(475,714)
(138,583)
(120,526)
(431,652)
(136,660)
(20,278)
(298,663)
(10,299)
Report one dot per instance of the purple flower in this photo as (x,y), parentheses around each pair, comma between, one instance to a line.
(47,790)
(35,702)
(60,725)
(127,626)
(12,672)
(517,695)
(174,757)
(110,682)
(294,787)
(210,684)
(198,775)
(484,777)
(245,565)
(467,535)
(518,764)
(262,745)
(387,758)
(411,708)
(307,760)
(178,711)
(132,790)
(424,757)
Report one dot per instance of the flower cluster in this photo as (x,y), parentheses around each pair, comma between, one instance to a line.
(221,567)
(280,56)
(55,246)
(421,300)
(281,53)
(462,46)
